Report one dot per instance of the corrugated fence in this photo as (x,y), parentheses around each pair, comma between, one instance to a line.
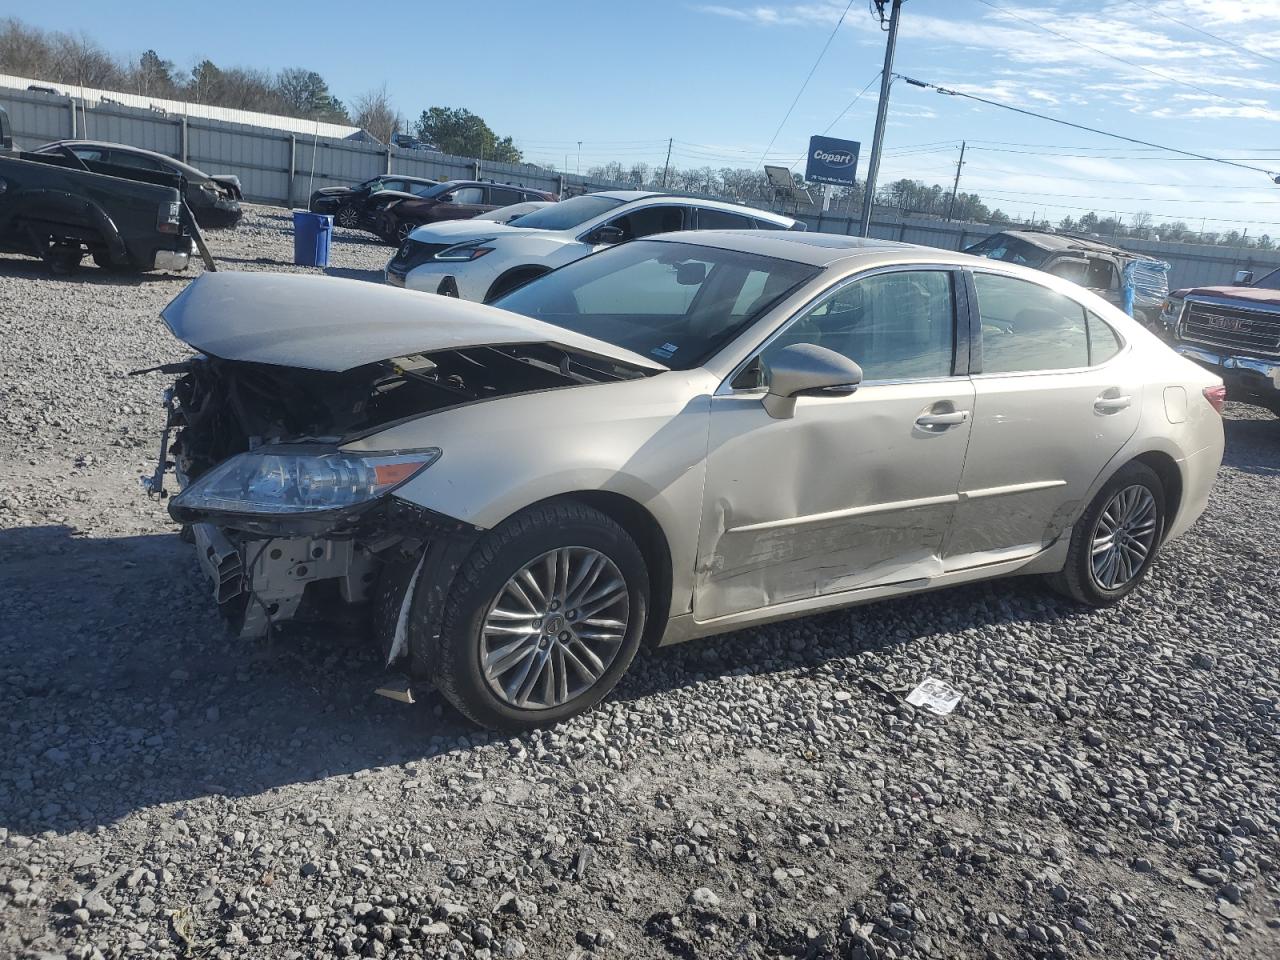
(281,167)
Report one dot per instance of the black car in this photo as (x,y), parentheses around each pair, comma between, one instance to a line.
(359,206)
(213,199)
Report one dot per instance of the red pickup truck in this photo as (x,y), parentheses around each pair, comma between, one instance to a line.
(1235,332)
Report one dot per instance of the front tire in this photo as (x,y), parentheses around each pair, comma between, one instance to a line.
(1115,542)
(543,618)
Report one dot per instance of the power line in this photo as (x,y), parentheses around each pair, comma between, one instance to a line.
(1104,53)
(809,77)
(1212,36)
(1080,126)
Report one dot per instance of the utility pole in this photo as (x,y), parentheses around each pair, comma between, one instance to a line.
(955,187)
(666,167)
(579,158)
(886,78)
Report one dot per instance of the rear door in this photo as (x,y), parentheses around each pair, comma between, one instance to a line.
(1056,397)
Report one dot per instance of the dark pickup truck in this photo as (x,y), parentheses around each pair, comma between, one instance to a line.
(1235,332)
(58,208)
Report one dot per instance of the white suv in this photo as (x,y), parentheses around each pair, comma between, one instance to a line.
(483,261)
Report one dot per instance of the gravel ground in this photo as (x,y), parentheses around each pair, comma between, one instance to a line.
(1109,785)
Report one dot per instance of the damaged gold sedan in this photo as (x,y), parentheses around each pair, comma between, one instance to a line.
(676,437)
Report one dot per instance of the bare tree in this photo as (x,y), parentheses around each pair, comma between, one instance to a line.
(373,112)
(25,51)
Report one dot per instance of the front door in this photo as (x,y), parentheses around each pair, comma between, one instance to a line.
(1056,399)
(853,490)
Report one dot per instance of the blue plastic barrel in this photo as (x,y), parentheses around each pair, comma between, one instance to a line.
(311,234)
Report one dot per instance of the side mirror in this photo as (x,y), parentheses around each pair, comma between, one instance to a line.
(607,234)
(1244,278)
(806,368)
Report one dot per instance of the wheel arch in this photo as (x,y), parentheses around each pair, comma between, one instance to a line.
(529,271)
(1166,468)
(644,528)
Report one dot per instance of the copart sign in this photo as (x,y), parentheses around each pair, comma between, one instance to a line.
(832,161)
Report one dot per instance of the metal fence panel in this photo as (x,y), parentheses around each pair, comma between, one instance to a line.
(264,160)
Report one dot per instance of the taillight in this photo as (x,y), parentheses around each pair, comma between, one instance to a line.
(1217,396)
(169,219)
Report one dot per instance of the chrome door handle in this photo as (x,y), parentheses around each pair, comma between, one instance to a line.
(1105,404)
(942,419)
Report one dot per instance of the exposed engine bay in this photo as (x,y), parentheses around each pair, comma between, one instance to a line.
(225,407)
(267,571)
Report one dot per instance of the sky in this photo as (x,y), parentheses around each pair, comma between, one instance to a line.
(718,80)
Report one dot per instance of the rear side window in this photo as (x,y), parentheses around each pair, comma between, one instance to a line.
(770,225)
(1028,327)
(722,220)
(1104,342)
(137,161)
(1102,275)
(503,196)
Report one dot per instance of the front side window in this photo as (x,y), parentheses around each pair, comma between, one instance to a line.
(88,153)
(676,303)
(1028,327)
(468,195)
(896,326)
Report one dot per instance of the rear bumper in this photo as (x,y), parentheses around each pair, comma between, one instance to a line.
(1248,379)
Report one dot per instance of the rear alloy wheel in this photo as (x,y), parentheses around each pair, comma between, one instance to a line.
(543,618)
(1115,541)
(347,216)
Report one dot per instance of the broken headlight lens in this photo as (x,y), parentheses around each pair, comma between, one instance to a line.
(276,481)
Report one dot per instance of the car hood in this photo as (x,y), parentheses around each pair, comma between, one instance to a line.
(332,323)
(457,231)
(332,191)
(1252,294)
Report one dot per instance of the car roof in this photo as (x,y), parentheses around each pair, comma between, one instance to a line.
(186,168)
(816,249)
(1065,241)
(402,176)
(629,196)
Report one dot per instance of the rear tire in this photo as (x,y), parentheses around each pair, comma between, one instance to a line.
(577,632)
(1115,541)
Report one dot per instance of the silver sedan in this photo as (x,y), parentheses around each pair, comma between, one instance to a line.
(676,437)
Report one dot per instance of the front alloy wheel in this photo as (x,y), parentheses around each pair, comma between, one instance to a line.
(542,619)
(347,216)
(554,628)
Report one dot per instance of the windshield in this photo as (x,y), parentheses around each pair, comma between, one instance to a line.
(675,302)
(1010,250)
(1268,281)
(567,213)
